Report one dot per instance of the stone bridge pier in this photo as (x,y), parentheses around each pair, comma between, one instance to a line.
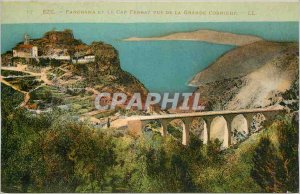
(224,132)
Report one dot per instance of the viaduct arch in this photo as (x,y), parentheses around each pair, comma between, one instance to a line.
(232,126)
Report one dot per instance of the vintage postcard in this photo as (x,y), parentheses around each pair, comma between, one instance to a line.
(150,96)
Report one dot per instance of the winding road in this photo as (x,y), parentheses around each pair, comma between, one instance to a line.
(22,68)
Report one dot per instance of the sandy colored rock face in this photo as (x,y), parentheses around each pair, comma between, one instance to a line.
(249,77)
(242,61)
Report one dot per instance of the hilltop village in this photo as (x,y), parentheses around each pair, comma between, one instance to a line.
(31,49)
(59,71)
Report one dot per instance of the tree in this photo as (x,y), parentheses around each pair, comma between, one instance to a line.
(76,158)
(169,166)
(288,148)
(266,169)
(51,152)
(276,170)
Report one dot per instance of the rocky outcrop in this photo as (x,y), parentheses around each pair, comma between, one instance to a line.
(104,72)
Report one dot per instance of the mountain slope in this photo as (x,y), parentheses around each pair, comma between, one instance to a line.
(250,76)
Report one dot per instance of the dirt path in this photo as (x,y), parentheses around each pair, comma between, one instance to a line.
(10,85)
(42,74)
(22,68)
(26,94)
(119,123)
(19,76)
(92,90)
(15,68)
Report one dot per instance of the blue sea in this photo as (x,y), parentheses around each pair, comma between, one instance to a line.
(162,66)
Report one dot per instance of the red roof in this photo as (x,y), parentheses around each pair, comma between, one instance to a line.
(27,46)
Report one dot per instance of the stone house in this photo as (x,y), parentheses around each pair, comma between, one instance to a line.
(25,51)
(84,59)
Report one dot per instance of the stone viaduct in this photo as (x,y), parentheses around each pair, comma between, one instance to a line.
(137,123)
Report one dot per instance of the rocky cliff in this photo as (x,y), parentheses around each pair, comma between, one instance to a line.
(253,75)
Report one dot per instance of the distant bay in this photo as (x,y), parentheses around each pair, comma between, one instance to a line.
(163,66)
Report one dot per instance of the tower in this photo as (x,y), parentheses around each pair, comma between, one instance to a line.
(26,39)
